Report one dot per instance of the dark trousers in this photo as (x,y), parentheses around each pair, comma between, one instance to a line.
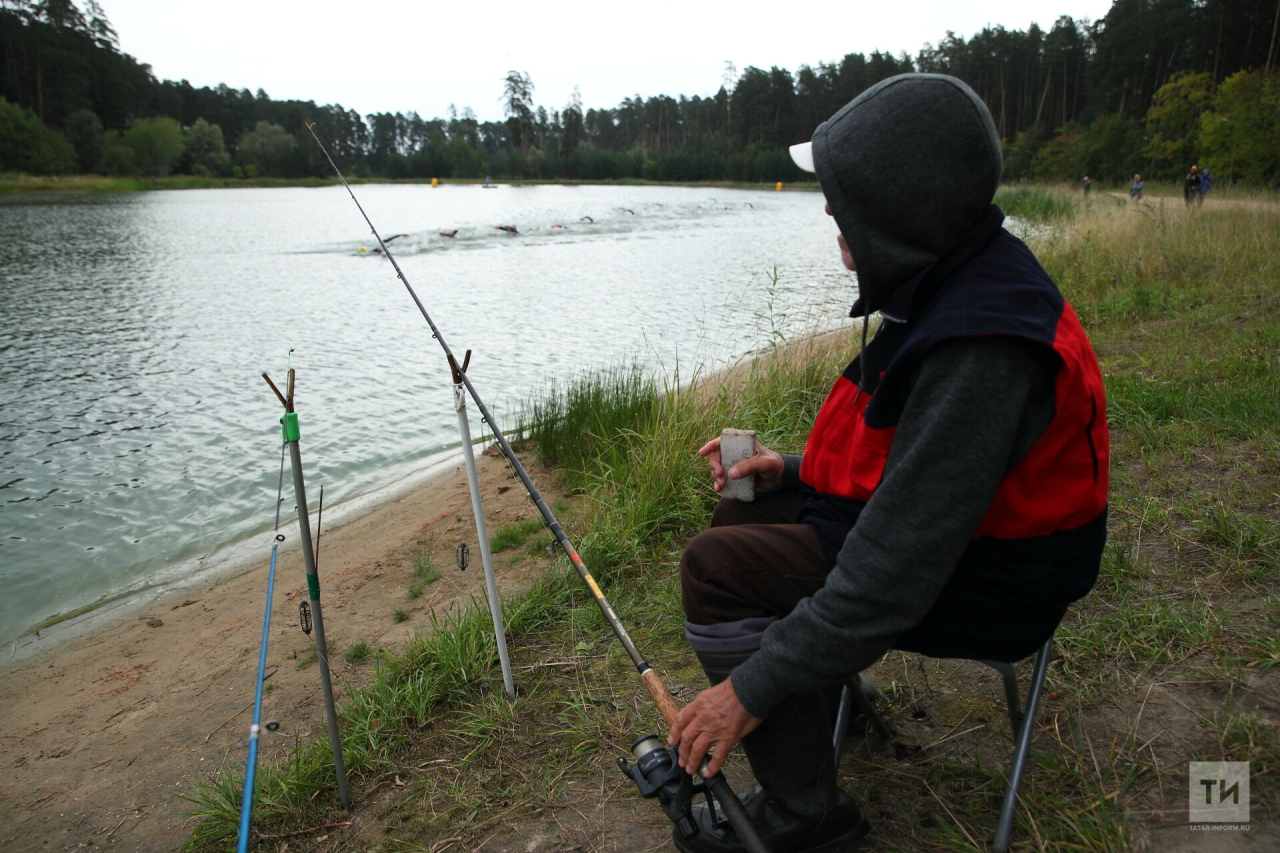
(754,560)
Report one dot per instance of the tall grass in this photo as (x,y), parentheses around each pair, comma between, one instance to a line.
(1037,204)
(1184,311)
(576,426)
(627,438)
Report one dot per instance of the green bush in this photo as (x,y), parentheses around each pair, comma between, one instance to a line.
(157,143)
(120,161)
(26,145)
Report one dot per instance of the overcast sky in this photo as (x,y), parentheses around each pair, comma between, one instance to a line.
(397,55)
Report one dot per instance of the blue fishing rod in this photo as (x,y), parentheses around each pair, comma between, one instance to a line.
(657,772)
(246,805)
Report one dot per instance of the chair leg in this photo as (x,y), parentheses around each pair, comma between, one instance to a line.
(1013,703)
(1022,745)
(843,713)
(868,708)
(855,694)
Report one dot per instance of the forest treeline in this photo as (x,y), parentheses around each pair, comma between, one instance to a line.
(1152,87)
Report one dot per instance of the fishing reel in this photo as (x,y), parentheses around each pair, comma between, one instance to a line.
(657,773)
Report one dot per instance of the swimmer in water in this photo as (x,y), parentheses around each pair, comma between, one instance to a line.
(586,219)
(510,229)
(388,240)
(627,210)
(453,233)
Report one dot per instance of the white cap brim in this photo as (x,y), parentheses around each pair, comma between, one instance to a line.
(802,154)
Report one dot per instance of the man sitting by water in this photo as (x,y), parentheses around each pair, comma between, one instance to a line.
(951,499)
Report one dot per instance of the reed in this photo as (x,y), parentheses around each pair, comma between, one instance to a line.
(1037,204)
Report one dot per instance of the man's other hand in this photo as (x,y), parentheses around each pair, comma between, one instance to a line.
(766,465)
(716,719)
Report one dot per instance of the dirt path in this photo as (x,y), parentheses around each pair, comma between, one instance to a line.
(1210,203)
(99,734)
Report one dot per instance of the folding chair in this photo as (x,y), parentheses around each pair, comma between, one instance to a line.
(859,692)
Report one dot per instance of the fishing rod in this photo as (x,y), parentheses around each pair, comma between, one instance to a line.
(313,616)
(246,805)
(657,772)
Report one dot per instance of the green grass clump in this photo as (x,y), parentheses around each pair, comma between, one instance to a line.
(424,572)
(514,535)
(573,425)
(424,568)
(309,658)
(1037,204)
(359,652)
(400,614)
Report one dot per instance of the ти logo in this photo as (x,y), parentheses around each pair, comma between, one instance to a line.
(1219,792)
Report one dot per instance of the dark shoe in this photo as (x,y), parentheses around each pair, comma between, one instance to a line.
(834,830)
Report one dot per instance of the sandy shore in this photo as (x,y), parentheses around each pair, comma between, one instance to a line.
(102,729)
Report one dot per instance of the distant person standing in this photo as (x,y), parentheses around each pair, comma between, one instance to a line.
(1135,189)
(1087,183)
(1191,186)
(1206,184)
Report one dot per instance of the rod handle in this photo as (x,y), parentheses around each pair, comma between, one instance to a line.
(661,696)
(734,810)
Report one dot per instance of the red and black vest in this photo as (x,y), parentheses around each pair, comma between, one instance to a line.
(1059,485)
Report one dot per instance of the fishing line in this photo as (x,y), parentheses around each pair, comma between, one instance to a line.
(657,690)
(319,520)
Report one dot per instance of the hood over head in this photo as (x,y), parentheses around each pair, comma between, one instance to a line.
(908,167)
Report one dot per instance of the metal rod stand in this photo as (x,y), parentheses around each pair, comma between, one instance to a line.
(313,592)
(482,534)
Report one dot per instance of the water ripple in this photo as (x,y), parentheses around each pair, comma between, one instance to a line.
(136,434)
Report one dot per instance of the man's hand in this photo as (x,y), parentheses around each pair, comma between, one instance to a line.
(715,719)
(766,465)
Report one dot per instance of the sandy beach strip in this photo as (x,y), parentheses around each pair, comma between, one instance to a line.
(101,728)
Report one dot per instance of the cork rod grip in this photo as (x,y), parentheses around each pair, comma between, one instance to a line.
(661,696)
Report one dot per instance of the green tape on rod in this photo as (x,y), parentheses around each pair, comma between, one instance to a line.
(289,425)
(313,587)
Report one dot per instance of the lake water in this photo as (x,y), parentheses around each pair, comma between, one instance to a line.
(137,440)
